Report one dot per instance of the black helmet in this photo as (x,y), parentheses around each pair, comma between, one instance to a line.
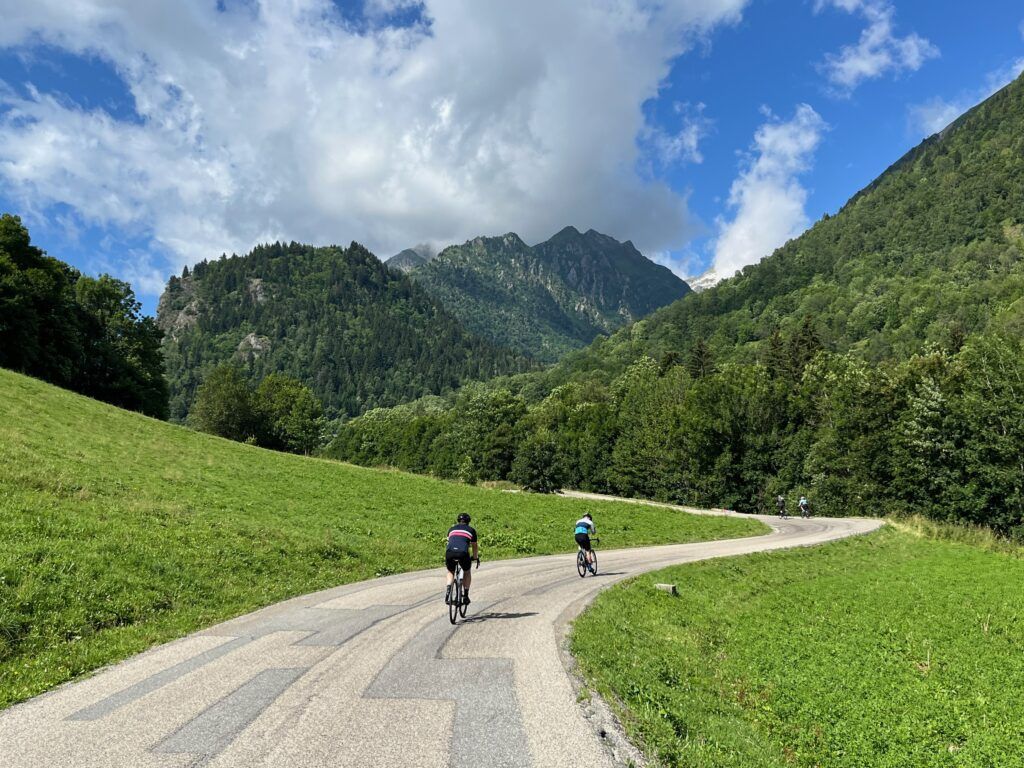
(463,518)
(588,515)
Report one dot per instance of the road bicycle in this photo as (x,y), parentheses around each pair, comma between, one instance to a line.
(456,606)
(581,560)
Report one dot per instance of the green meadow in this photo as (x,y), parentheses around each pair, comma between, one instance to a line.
(901,649)
(118,531)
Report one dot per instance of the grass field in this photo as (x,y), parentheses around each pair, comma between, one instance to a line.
(890,650)
(118,531)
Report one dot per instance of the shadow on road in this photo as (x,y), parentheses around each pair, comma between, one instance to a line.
(488,615)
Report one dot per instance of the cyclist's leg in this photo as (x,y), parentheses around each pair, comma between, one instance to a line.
(467,578)
(583,541)
(449,564)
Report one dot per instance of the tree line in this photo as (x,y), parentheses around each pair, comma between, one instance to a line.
(940,433)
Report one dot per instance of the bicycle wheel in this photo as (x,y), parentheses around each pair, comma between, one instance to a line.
(462,608)
(581,563)
(593,561)
(453,606)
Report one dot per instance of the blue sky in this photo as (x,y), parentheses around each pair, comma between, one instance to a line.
(137,138)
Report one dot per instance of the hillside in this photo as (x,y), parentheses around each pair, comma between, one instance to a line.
(550,298)
(358,333)
(928,253)
(118,531)
(874,363)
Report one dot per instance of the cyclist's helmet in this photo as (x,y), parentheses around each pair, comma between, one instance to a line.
(588,516)
(463,518)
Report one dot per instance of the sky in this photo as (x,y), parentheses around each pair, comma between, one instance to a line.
(137,136)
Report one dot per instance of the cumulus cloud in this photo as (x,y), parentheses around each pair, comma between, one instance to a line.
(767,196)
(930,117)
(264,119)
(879,51)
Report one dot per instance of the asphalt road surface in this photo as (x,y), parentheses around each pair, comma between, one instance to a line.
(368,674)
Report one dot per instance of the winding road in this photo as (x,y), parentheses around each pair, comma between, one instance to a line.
(368,674)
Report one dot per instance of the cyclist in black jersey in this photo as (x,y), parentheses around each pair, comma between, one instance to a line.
(461,539)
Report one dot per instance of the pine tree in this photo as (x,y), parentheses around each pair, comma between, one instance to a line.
(701,361)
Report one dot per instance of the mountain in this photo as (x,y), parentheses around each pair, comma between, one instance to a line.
(617,283)
(875,363)
(551,298)
(708,279)
(359,334)
(408,260)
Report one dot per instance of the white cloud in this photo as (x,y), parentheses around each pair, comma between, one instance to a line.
(283,120)
(879,51)
(682,146)
(767,196)
(930,117)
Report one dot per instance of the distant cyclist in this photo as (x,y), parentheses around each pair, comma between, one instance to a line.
(584,530)
(461,538)
(805,507)
(780,502)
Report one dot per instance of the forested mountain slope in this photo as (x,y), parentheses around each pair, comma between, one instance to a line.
(928,253)
(550,298)
(874,363)
(358,333)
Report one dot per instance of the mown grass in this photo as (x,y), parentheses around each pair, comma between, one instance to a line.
(893,650)
(118,531)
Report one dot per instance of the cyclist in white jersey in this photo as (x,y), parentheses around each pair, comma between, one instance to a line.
(584,530)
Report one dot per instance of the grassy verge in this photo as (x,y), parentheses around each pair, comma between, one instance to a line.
(118,531)
(895,650)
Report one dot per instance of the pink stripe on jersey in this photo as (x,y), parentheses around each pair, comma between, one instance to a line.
(464,534)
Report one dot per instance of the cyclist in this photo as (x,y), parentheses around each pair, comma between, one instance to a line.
(584,530)
(805,507)
(461,538)
(780,502)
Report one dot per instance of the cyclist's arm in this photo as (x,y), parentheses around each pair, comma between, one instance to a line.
(476,551)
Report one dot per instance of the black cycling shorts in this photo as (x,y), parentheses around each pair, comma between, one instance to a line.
(462,558)
(583,539)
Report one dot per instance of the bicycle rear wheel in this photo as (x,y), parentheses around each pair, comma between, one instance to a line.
(581,563)
(593,561)
(453,606)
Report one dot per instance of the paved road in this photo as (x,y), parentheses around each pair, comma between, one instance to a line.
(368,674)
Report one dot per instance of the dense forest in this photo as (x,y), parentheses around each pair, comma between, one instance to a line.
(550,298)
(874,363)
(82,333)
(358,334)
